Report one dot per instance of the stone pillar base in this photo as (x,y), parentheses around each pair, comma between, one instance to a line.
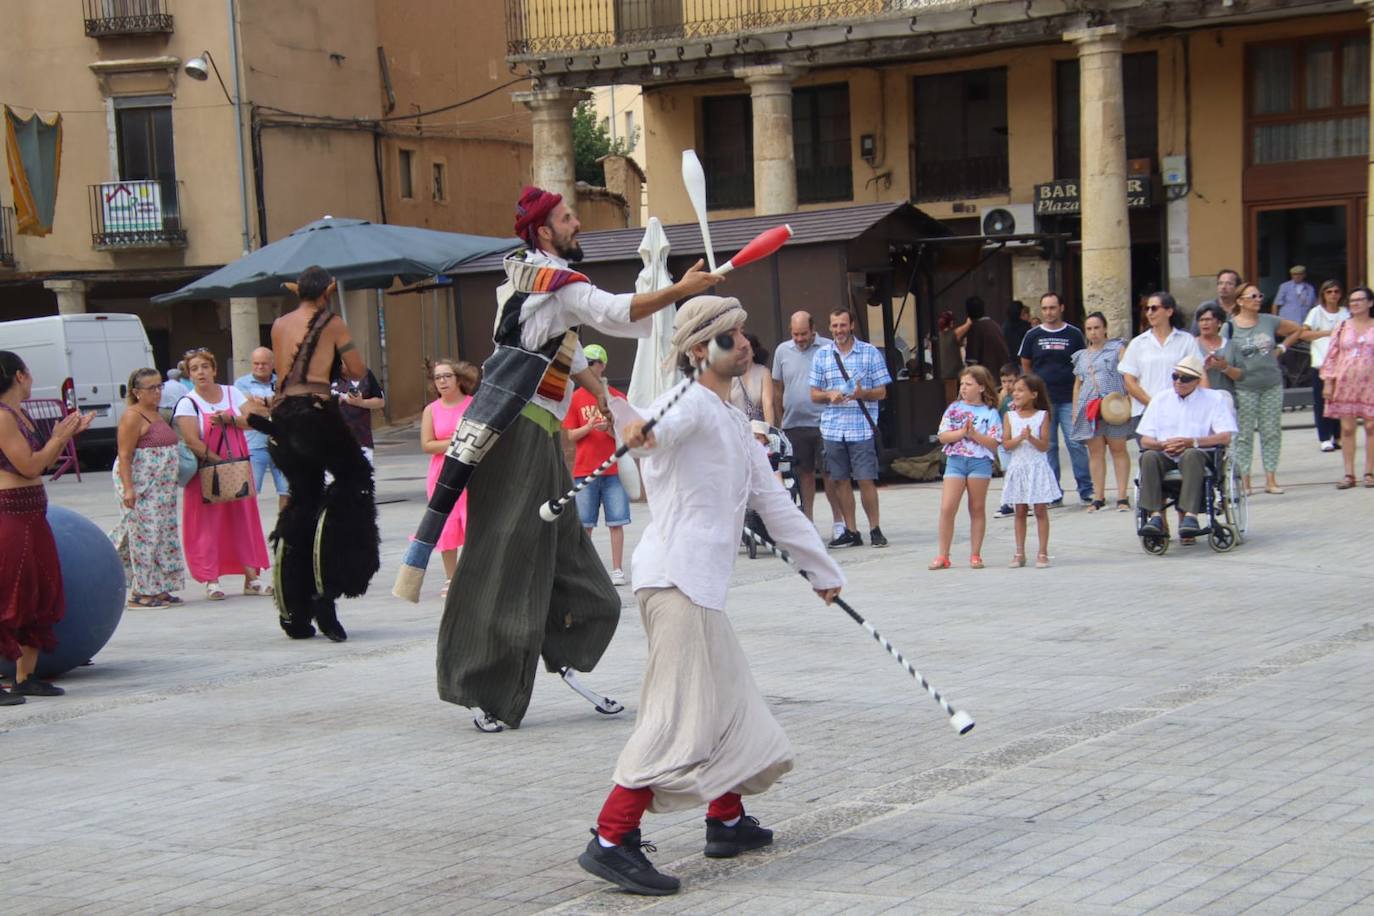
(71,295)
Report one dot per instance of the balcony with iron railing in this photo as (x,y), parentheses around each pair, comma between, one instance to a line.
(132,215)
(126,17)
(535,27)
(6,236)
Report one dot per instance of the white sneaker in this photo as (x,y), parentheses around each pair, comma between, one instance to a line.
(617,577)
(1328,445)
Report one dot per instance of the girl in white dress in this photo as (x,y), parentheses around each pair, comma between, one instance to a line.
(1029,480)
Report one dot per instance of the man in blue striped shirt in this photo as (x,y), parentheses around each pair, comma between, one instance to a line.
(846,374)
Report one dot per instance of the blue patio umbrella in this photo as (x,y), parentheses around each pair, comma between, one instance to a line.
(359,254)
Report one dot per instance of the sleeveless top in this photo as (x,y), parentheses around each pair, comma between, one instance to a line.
(30,432)
(158,435)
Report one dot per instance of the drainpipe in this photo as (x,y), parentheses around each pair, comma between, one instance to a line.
(238,121)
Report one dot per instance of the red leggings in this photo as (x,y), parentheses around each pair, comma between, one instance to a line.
(625,808)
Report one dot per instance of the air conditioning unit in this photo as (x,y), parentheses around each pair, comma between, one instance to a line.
(1011,219)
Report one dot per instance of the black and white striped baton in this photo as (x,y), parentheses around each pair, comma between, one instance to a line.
(961,721)
(554,507)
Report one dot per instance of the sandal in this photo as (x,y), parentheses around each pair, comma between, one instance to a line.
(975,562)
(169,599)
(1348,482)
(255,587)
(1017,561)
(1274,490)
(1123,505)
(939,563)
(1042,561)
(1369,481)
(213,592)
(443,592)
(1096,504)
(146,601)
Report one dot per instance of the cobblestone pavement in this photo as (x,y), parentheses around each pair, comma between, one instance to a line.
(1182,734)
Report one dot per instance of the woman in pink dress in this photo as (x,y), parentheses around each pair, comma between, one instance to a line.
(455,381)
(221,539)
(1348,382)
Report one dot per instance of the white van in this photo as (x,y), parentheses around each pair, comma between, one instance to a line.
(83,360)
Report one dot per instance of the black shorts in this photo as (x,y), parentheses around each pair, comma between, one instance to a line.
(807,449)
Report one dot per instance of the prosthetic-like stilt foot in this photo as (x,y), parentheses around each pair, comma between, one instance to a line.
(604,705)
(488,723)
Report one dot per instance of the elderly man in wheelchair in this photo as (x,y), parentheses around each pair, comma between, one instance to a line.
(1184,433)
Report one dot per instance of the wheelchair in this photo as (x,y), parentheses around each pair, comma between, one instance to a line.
(1223,500)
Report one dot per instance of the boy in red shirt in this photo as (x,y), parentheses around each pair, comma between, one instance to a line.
(591,433)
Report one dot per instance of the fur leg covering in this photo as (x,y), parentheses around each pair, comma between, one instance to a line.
(328,535)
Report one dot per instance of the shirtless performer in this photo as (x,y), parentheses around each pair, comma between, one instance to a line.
(326,538)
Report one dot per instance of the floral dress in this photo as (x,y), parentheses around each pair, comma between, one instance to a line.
(1349,366)
(147,536)
(1029,479)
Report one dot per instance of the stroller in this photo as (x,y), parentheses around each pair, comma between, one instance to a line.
(780,457)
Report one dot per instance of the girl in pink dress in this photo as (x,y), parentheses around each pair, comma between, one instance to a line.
(1348,382)
(221,539)
(455,381)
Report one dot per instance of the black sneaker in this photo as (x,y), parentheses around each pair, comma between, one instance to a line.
(627,866)
(1004,511)
(875,537)
(33,687)
(724,842)
(848,539)
(10,699)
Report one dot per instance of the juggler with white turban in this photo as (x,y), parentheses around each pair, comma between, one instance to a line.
(704,734)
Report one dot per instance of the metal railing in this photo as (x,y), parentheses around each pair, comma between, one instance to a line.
(126,17)
(137,214)
(954,179)
(546,26)
(7,236)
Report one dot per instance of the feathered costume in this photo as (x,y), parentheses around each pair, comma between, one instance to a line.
(325,543)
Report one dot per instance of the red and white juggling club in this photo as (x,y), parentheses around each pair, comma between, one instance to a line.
(762,245)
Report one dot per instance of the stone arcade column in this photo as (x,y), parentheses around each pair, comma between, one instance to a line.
(1102,179)
(1362,275)
(554,163)
(244,335)
(71,295)
(775,164)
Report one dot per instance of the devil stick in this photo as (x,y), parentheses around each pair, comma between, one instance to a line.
(959,720)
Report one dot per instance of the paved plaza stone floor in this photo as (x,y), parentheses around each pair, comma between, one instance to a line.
(1185,734)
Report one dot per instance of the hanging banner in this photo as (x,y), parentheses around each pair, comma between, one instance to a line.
(33,149)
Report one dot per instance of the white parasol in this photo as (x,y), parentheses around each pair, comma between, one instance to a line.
(648,378)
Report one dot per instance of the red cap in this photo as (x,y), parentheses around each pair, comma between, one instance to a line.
(532,210)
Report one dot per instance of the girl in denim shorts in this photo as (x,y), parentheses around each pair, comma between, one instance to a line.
(969,432)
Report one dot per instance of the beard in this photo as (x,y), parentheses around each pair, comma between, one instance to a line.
(570,251)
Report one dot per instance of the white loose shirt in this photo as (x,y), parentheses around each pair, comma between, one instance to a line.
(704,470)
(1152,363)
(544,316)
(1202,413)
(1319,319)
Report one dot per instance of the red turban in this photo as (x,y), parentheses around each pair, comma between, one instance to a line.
(532,210)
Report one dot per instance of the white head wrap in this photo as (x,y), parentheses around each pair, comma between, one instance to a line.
(700,319)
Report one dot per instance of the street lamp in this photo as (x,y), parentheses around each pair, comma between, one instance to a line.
(198,69)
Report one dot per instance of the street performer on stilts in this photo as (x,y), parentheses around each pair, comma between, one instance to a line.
(326,540)
(524,587)
(704,735)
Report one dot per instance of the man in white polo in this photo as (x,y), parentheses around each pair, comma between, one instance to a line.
(1174,431)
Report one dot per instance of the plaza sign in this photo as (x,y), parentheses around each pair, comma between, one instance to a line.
(1060,198)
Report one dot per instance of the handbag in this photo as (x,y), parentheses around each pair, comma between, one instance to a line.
(228,480)
(1114,409)
(187,462)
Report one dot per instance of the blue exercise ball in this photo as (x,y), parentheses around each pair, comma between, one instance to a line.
(93,580)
